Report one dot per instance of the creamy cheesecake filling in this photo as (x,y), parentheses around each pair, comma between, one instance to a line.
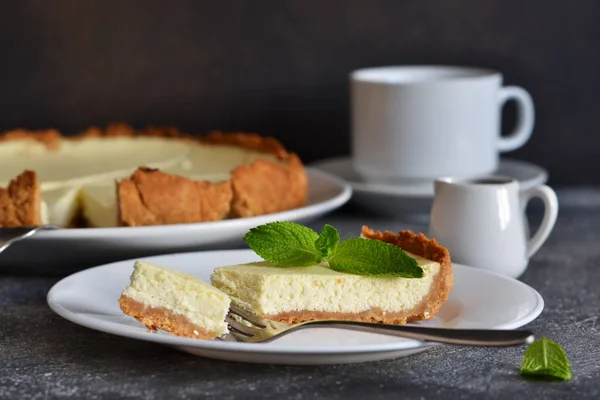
(76,162)
(99,205)
(214,163)
(60,206)
(266,290)
(180,293)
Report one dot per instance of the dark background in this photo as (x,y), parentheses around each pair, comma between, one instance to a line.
(281,68)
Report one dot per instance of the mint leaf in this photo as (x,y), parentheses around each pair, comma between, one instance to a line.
(327,241)
(545,358)
(285,244)
(373,257)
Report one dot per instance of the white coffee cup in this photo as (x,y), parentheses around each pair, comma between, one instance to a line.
(419,123)
(482,222)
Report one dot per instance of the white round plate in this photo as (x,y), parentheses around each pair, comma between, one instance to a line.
(479,299)
(67,250)
(412,203)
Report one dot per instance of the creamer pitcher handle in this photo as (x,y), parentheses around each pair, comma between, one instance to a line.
(547,195)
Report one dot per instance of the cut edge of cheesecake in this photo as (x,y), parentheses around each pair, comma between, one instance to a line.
(21,201)
(261,187)
(164,319)
(178,320)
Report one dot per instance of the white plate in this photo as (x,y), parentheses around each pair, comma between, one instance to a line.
(67,250)
(479,299)
(412,203)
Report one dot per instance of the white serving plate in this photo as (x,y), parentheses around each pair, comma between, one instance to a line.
(66,250)
(479,299)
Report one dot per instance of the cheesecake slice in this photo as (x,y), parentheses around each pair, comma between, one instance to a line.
(21,201)
(178,303)
(299,294)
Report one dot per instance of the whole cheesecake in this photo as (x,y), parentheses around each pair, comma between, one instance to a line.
(123,177)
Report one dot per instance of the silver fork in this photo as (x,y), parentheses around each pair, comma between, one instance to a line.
(246,327)
(9,236)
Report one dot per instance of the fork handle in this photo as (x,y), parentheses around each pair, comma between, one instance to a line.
(470,337)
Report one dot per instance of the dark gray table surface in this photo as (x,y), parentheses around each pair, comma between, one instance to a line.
(46,357)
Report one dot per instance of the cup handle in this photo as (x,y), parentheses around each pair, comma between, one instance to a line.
(525,117)
(547,195)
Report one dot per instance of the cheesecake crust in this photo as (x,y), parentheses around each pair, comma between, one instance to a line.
(426,309)
(152,197)
(20,202)
(162,318)
(262,187)
(52,138)
(375,314)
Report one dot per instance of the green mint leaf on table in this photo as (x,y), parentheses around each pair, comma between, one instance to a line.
(285,244)
(545,358)
(373,257)
(327,241)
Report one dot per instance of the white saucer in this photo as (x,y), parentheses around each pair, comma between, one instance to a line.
(64,251)
(412,203)
(479,299)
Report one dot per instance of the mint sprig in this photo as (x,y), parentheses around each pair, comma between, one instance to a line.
(545,358)
(287,244)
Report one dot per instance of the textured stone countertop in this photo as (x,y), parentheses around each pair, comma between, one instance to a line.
(46,357)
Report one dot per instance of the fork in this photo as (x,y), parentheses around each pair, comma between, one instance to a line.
(8,236)
(250,328)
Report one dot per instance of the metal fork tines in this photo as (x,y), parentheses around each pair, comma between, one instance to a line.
(246,327)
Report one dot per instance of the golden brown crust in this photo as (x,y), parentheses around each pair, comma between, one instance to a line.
(249,141)
(152,197)
(53,138)
(264,187)
(20,203)
(161,318)
(374,314)
(49,137)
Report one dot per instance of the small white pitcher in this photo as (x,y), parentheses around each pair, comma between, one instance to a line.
(482,222)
